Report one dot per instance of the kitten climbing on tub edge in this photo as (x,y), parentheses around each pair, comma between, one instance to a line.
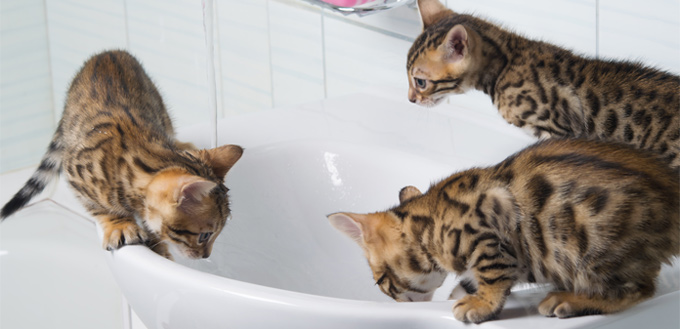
(595,219)
(116,144)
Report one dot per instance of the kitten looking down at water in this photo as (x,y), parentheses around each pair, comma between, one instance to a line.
(595,219)
(116,144)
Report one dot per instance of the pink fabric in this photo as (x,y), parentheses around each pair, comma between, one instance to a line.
(346,3)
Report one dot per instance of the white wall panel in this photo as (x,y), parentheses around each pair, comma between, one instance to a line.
(77,30)
(648,32)
(26,115)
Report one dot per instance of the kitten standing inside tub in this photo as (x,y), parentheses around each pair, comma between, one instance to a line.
(116,144)
(546,89)
(595,219)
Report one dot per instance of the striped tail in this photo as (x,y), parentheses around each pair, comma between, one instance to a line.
(49,169)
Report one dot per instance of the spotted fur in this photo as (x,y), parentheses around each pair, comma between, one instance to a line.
(116,144)
(595,219)
(546,89)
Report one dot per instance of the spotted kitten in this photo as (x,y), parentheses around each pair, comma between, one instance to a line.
(546,89)
(595,219)
(116,144)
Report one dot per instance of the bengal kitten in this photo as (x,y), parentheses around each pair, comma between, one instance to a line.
(541,87)
(594,219)
(116,144)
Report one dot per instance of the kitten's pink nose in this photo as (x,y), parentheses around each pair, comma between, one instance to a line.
(411,95)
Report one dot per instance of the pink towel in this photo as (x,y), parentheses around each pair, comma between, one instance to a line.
(347,3)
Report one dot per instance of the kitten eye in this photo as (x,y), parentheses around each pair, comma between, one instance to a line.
(203,237)
(420,83)
(381,279)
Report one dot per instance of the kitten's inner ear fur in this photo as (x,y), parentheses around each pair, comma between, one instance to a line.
(175,188)
(432,11)
(408,193)
(191,194)
(222,158)
(354,226)
(456,45)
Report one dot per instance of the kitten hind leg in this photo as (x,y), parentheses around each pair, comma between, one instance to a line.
(120,231)
(568,304)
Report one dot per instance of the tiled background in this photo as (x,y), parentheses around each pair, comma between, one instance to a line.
(272,53)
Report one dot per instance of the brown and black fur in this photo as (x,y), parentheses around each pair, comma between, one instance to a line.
(546,89)
(116,144)
(595,219)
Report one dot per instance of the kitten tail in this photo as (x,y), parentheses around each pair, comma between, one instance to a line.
(48,170)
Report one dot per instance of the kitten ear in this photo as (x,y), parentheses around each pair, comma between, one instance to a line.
(456,44)
(432,11)
(408,192)
(221,158)
(191,194)
(352,225)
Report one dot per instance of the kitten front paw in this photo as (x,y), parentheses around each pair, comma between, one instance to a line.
(122,233)
(474,309)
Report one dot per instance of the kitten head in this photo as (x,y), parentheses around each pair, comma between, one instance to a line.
(399,268)
(443,58)
(188,212)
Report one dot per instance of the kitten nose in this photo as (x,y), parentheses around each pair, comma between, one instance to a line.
(206,254)
(411,95)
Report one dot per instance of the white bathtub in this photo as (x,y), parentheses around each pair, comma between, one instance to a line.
(279,264)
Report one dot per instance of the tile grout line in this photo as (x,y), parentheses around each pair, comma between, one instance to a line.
(49,60)
(323,54)
(269,49)
(597,29)
(127,29)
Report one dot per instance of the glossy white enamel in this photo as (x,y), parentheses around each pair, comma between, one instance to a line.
(279,264)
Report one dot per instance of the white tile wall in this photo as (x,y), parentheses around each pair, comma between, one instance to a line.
(648,31)
(296,54)
(77,30)
(354,62)
(25,84)
(273,53)
(167,36)
(568,23)
(244,49)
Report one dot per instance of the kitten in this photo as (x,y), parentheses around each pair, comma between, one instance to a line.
(543,88)
(116,144)
(594,219)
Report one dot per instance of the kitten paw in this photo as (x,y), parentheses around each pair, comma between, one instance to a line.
(122,233)
(564,305)
(474,309)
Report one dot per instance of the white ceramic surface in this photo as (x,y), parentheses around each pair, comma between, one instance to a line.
(52,273)
(279,264)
